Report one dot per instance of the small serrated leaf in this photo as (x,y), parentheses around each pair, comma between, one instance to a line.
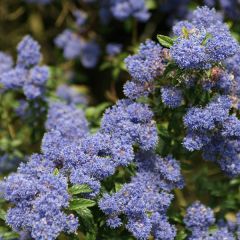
(77,189)
(165,41)
(78,203)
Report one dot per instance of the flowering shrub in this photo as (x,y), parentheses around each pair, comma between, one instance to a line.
(162,162)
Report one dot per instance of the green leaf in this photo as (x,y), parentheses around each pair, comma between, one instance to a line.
(55,172)
(185,32)
(84,213)
(165,41)
(86,219)
(2,214)
(105,65)
(3,229)
(118,186)
(76,189)
(151,4)
(78,203)
(181,235)
(208,36)
(91,236)
(10,235)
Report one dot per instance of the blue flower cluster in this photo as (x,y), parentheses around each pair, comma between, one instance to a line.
(66,126)
(70,95)
(233,75)
(76,45)
(6,62)
(132,122)
(39,198)
(113,49)
(123,9)
(26,75)
(97,158)
(145,200)
(214,130)
(171,96)
(199,219)
(91,158)
(229,7)
(144,67)
(202,41)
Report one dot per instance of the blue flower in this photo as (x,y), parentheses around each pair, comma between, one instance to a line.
(171,96)
(28,52)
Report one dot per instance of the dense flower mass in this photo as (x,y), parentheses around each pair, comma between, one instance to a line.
(171,97)
(111,172)
(144,67)
(38,197)
(131,122)
(146,198)
(26,75)
(202,41)
(199,219)
(66,126)
(216,132)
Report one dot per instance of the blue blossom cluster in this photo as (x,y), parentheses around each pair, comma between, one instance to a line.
(214,130)
(171,96)
(229,7)
(123,9)
(75,45)
(38,197)
(233,75)
(97,158)
(144,67)
(113,49)
(202,41)
(6,62)
(132,122)
(70,95)
(26,75)
(91,158)
(66,126)
(199,219)
(81,17)
(144,201)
